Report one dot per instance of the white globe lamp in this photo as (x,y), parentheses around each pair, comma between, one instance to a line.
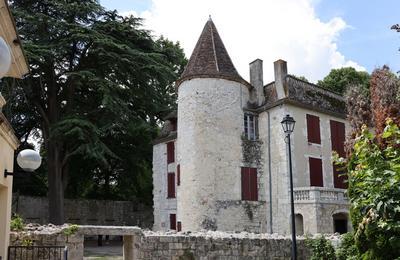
(29,160)
(5,58)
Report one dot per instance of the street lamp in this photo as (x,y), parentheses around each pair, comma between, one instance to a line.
(288,126)
(29,160)
(5,58)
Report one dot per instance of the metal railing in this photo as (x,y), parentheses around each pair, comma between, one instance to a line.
(37,253)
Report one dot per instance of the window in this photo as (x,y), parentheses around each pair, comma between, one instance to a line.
(316,176)
(251,126)
(170,152)
(178,175)
(249,184)
(179,226)
(172,221)
(174,124)
(338,133)
(313,130)
(171,185)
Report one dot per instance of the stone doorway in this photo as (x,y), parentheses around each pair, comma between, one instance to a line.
(340,223)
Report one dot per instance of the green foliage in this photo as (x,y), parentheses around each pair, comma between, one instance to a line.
(347,249)
(374,181)
(321,248)
(70,230)
(27,242)
(339,79)
(17,223)
(98,87)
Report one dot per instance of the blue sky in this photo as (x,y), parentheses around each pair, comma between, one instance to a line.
(369,40)
(358,32)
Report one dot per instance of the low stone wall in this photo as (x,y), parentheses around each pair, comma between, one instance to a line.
(35,235)
(217,245)
(139,244)
(86,212)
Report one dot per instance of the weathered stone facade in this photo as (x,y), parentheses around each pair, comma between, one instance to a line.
(212,148)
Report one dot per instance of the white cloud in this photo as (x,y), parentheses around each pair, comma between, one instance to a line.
(266,29)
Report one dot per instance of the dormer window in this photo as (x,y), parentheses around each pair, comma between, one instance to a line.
(251,127)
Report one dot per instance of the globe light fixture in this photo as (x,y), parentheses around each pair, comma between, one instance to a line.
(5,58)
(29,160)
(288,127)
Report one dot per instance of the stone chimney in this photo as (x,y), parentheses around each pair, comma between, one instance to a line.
(280,69)
(256,80)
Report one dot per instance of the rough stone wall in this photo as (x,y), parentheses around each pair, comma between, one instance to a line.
(163,206)
(217,245)
(49,237)
(92,212)
(210,126)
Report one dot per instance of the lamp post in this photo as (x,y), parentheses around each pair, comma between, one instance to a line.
(288,126)
(29,160)
(5,58)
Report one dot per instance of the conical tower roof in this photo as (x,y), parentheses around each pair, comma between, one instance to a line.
(210,58)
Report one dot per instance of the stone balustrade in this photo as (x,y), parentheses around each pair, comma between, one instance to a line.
(320,195)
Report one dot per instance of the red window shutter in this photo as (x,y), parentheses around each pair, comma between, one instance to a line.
(172,221)
(316,176)
(338,135)
(253,184)
(178,173)
(339,178)
(179,226)
(170,152)
(249,184)
(171,185)
(313,130)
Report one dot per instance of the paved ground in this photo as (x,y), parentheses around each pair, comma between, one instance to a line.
(111,250)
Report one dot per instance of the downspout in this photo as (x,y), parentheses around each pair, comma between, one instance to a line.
(269,173)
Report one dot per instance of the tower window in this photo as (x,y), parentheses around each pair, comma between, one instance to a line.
(249,184)
(172,221)
(170,152)
(251,126)
(171,185)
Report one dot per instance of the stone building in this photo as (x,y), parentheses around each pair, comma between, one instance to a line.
(221,162)
(8,140)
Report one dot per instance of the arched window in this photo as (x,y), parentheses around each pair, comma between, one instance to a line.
(299,224)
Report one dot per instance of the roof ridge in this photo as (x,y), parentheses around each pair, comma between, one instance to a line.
(213,45)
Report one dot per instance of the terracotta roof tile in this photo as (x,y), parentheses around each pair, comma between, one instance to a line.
(210,59)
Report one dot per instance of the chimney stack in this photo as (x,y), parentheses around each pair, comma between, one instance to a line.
(256,80)
(280,69)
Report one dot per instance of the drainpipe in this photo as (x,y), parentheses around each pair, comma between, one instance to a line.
(269,173)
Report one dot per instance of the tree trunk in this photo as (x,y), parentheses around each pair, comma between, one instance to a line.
(56,189)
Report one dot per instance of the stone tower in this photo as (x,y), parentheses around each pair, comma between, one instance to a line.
(211,97)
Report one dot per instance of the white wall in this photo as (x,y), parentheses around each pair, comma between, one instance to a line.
(163,206)
(210,126)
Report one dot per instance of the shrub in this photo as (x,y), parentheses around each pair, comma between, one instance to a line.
(374,181)
(17,223)
(347,249)
(321,249)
